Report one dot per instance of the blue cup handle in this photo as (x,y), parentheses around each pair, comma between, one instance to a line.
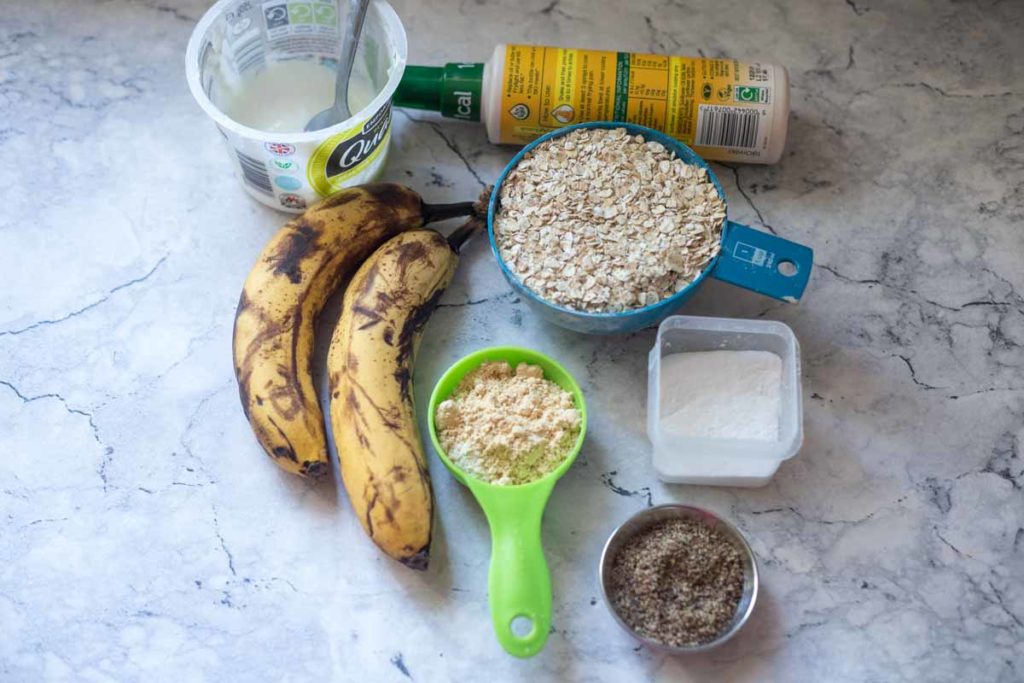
(763,263)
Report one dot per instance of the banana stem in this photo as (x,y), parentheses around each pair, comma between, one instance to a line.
(440,212)
(480,206)
(462,233)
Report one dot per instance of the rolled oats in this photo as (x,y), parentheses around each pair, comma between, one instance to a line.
(598,220)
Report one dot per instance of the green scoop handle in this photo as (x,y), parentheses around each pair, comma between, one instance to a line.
(518,581)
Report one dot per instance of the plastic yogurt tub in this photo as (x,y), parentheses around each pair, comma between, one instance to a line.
(236,40)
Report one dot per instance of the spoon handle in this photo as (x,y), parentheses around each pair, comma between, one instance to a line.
(347,57)
(518,582)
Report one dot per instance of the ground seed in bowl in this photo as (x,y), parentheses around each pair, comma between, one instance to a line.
(507,426)
(677,582)
(598,220)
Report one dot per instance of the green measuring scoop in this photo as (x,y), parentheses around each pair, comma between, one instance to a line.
(518,582)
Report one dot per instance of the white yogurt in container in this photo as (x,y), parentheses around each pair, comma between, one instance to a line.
(284,96)
(262,70)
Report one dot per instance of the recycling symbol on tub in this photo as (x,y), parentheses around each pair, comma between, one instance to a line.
(343,155)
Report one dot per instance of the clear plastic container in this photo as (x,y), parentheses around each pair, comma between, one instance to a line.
(236,40)
(724,462)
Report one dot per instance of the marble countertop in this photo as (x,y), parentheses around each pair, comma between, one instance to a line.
(146,537)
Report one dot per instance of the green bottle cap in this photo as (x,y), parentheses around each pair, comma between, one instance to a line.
(453,89)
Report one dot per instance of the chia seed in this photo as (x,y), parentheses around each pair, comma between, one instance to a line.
(678,582)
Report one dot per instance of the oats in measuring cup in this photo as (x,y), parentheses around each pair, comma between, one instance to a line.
(598,220)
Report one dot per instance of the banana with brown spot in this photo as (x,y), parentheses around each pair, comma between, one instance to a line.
(283,296)
(370,364)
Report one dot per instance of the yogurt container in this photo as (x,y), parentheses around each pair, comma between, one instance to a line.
(271,64)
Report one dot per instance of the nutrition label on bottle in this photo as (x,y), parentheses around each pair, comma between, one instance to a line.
(710,104)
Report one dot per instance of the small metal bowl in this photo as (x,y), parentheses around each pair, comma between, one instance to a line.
(644,520)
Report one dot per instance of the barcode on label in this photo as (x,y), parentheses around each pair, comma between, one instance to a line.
(254,172)
(727,126)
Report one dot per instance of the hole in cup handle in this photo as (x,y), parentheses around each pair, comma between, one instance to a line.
(787,268)
(763,263)
(521,626)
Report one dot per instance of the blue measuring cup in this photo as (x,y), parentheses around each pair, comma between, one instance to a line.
(748,258)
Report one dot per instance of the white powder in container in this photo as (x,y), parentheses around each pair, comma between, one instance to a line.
(722,394)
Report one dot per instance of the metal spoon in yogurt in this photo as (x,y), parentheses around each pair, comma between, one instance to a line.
(339,111)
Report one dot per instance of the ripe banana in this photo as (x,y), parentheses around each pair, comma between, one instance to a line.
(274,326)
(370,365)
